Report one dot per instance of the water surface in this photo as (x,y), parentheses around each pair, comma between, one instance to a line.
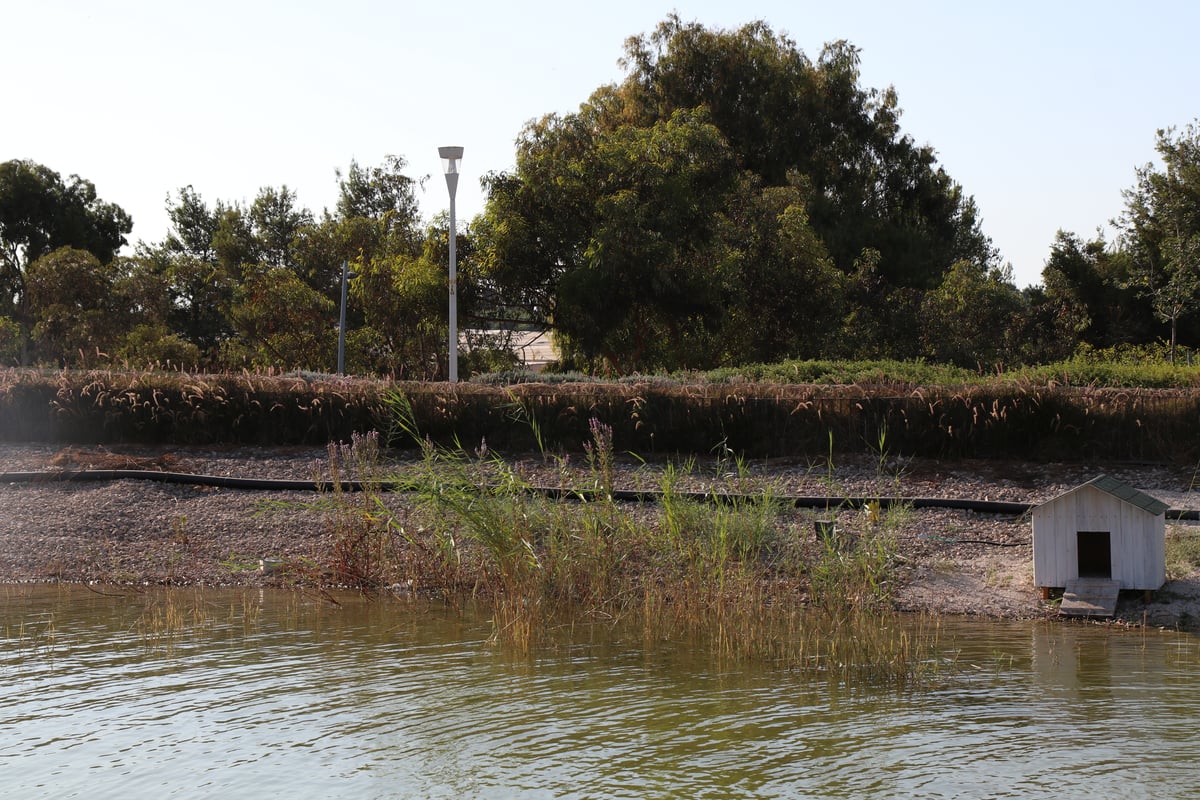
(274,694)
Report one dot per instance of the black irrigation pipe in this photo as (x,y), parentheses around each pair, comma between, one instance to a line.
(288,485)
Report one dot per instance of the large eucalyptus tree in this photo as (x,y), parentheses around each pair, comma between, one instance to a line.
(718,206)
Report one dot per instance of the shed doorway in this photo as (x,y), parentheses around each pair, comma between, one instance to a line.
(1095,554)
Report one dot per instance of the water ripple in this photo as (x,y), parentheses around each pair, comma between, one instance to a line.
(278,695)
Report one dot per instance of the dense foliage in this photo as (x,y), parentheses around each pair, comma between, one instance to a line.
(730,202)
(733,201)
(230,286)
(40,213)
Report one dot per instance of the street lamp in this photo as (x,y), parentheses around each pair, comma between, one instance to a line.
(346,275)
(451,156)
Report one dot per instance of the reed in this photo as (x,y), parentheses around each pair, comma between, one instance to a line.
(731,569)
(37,638)
(169,616)
(362,550)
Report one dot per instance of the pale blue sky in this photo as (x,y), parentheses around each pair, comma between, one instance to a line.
(1041,110)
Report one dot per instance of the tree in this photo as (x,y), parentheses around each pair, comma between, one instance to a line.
(277,223)
(212,253)
(1088,294)
(201,262)
(142,294)
(397,317)
(379,193)
(872,187)
(10,340)
(788,297)
(70,307)
(1161,223)
(647,291)
(882,321)
(1042,336)
(970,318)
(282,322)
(404,307)
(714,206)
(221,266)
(193,225)
(40,213)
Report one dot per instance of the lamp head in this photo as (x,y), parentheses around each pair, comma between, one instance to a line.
(451,156)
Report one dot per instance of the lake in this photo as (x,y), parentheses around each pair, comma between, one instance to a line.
(235,693)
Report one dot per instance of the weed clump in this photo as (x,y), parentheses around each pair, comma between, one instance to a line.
(729,564)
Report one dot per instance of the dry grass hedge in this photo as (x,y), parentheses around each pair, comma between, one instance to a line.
(652,418)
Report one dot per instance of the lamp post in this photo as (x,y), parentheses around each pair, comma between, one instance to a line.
(346,275)
(451,157)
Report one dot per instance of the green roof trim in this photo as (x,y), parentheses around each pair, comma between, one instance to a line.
(1123,491)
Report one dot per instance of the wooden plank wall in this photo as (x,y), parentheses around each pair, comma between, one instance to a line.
(1136,537)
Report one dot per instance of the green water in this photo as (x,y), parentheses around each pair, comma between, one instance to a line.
(274,694)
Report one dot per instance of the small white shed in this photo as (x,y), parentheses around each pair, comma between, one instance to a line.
(1104,529)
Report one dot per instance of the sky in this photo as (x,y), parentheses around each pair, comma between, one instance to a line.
(1041,111)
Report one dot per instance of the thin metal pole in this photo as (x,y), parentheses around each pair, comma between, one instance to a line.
(451,156)
(342,323)
(453,295)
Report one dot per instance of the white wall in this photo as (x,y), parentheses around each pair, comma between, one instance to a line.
(1137,539)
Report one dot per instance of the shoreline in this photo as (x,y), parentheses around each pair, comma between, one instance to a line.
(950,562)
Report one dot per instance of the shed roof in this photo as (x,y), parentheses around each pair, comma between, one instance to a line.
(1122,491)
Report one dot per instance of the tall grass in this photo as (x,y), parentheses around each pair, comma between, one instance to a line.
(734,569)
(363,542)
(1015,415)
(1183,551)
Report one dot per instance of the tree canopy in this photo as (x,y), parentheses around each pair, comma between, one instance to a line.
(1161,223)
(717,204)
(729,201)
(259,285)
(39,213)
(230,285)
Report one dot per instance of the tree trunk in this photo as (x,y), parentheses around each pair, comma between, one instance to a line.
(1174,332)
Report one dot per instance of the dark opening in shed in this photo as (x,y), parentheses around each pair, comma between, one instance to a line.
(1095,554)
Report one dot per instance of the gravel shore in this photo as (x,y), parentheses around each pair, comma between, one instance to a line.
(139,531)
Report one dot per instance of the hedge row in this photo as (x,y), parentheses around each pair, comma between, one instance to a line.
(756,420)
